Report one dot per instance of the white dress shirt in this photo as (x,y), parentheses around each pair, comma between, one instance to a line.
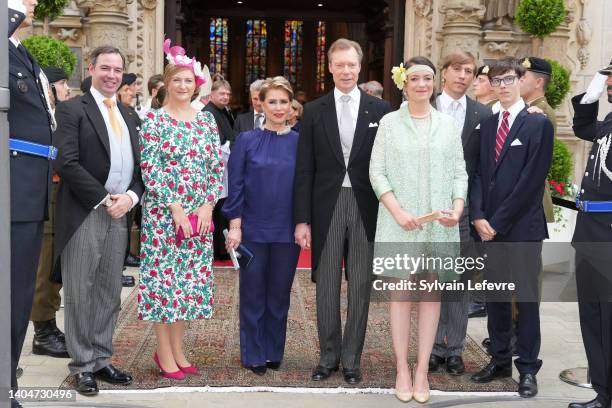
(99,98)
(453,107)
(514,111)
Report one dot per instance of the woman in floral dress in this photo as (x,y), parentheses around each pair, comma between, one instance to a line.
(182,172)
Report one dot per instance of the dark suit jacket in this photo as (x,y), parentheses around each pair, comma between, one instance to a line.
(320,167)
(29,119)
(593,227)
(244,122)
(508,193)
(83,164)
(224,124)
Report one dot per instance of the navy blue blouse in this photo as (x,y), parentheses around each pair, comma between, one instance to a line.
(261,169)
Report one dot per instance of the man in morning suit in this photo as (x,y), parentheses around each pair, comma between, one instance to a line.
(506,208)
(253,118)
(335,207)
(458,71)
(593,239)
(30,120)
(100,182)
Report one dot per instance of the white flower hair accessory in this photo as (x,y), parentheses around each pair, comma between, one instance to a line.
(176,56)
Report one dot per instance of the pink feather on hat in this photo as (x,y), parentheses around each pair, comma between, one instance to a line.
(177,56)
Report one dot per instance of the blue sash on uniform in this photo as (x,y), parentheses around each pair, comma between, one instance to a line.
(48,152)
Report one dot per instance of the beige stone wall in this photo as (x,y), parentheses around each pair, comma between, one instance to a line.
(434,27)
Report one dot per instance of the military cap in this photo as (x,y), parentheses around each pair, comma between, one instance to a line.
(606,70)
(539,65)
(54,74)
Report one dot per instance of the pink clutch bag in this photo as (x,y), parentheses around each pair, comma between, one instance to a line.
(193,220)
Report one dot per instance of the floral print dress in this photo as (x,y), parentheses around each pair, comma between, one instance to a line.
(180,162)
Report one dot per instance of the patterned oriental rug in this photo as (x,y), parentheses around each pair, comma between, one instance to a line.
(213,345)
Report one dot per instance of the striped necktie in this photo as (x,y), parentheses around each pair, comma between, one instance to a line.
(502,133)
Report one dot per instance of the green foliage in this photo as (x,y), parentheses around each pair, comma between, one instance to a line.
(50,52)
(559,84)
(540,17)
(561,168)
(49,8)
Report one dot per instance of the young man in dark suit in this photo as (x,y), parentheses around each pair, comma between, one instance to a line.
(334,197)
(31,121)
(99,169)
(506,208)
(458,71)
(593,239)
(254,118)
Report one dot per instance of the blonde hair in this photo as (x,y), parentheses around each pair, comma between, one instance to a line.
(170,71)
(298,107)
(276,83)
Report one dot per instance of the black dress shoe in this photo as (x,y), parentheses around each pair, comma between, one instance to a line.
(273,365)
(127,281)
(321,373)
(112,375)
(454,365)
(86,384)
(259,370)
(132,260)
(594,403)
(435,362)
(49,340)
(528,386)
(491,372)
(352,376)
(477,309)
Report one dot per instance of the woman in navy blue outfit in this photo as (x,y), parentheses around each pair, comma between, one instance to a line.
(260,209)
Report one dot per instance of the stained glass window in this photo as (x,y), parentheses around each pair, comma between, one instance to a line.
(256,49)
(320,51)
(293,52)
(218,46)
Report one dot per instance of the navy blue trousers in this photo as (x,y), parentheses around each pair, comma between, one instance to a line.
(26,241)
(265,289)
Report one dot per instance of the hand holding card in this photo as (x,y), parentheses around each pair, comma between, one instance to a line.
(432,216)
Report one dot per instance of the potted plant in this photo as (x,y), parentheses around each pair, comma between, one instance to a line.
(540,18)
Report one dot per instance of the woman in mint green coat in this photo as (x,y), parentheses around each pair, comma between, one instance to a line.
(417,168)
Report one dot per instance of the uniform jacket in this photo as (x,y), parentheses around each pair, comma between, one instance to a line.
(29,119)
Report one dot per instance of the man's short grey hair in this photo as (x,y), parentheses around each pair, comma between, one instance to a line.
(374,88)
(256,85)
(344,44)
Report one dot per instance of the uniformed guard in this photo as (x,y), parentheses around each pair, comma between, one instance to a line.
(30,126)
(593,238)
(48,338)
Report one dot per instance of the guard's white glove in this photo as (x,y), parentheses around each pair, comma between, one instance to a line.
(17,5)
(595,90)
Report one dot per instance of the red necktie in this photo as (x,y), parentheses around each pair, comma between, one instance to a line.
(502,133)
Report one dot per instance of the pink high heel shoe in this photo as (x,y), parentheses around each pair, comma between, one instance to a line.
(189,370)
(176,375)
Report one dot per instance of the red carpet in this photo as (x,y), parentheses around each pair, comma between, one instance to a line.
(303,262)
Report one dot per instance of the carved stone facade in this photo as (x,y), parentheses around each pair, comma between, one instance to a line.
(436,27)
(136,27)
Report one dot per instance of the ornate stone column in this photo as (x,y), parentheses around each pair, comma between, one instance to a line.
(107,24)
(461,28)
(149,40)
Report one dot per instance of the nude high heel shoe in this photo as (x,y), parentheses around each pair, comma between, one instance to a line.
(404,396)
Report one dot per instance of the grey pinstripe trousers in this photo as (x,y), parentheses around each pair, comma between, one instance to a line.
(452,327)
(346,239)
(92,263)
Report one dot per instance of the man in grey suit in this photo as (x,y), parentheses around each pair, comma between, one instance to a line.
(253,118)
(98,164)
(458,72)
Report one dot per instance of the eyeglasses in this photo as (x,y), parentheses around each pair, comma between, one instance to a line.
(508,80)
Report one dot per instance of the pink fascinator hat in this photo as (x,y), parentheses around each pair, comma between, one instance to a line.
(176,56)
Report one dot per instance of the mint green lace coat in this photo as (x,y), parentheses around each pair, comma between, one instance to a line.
(425,172)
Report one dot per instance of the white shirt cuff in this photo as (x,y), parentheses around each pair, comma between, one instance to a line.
(106,197)
(134,198)
(17,5)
